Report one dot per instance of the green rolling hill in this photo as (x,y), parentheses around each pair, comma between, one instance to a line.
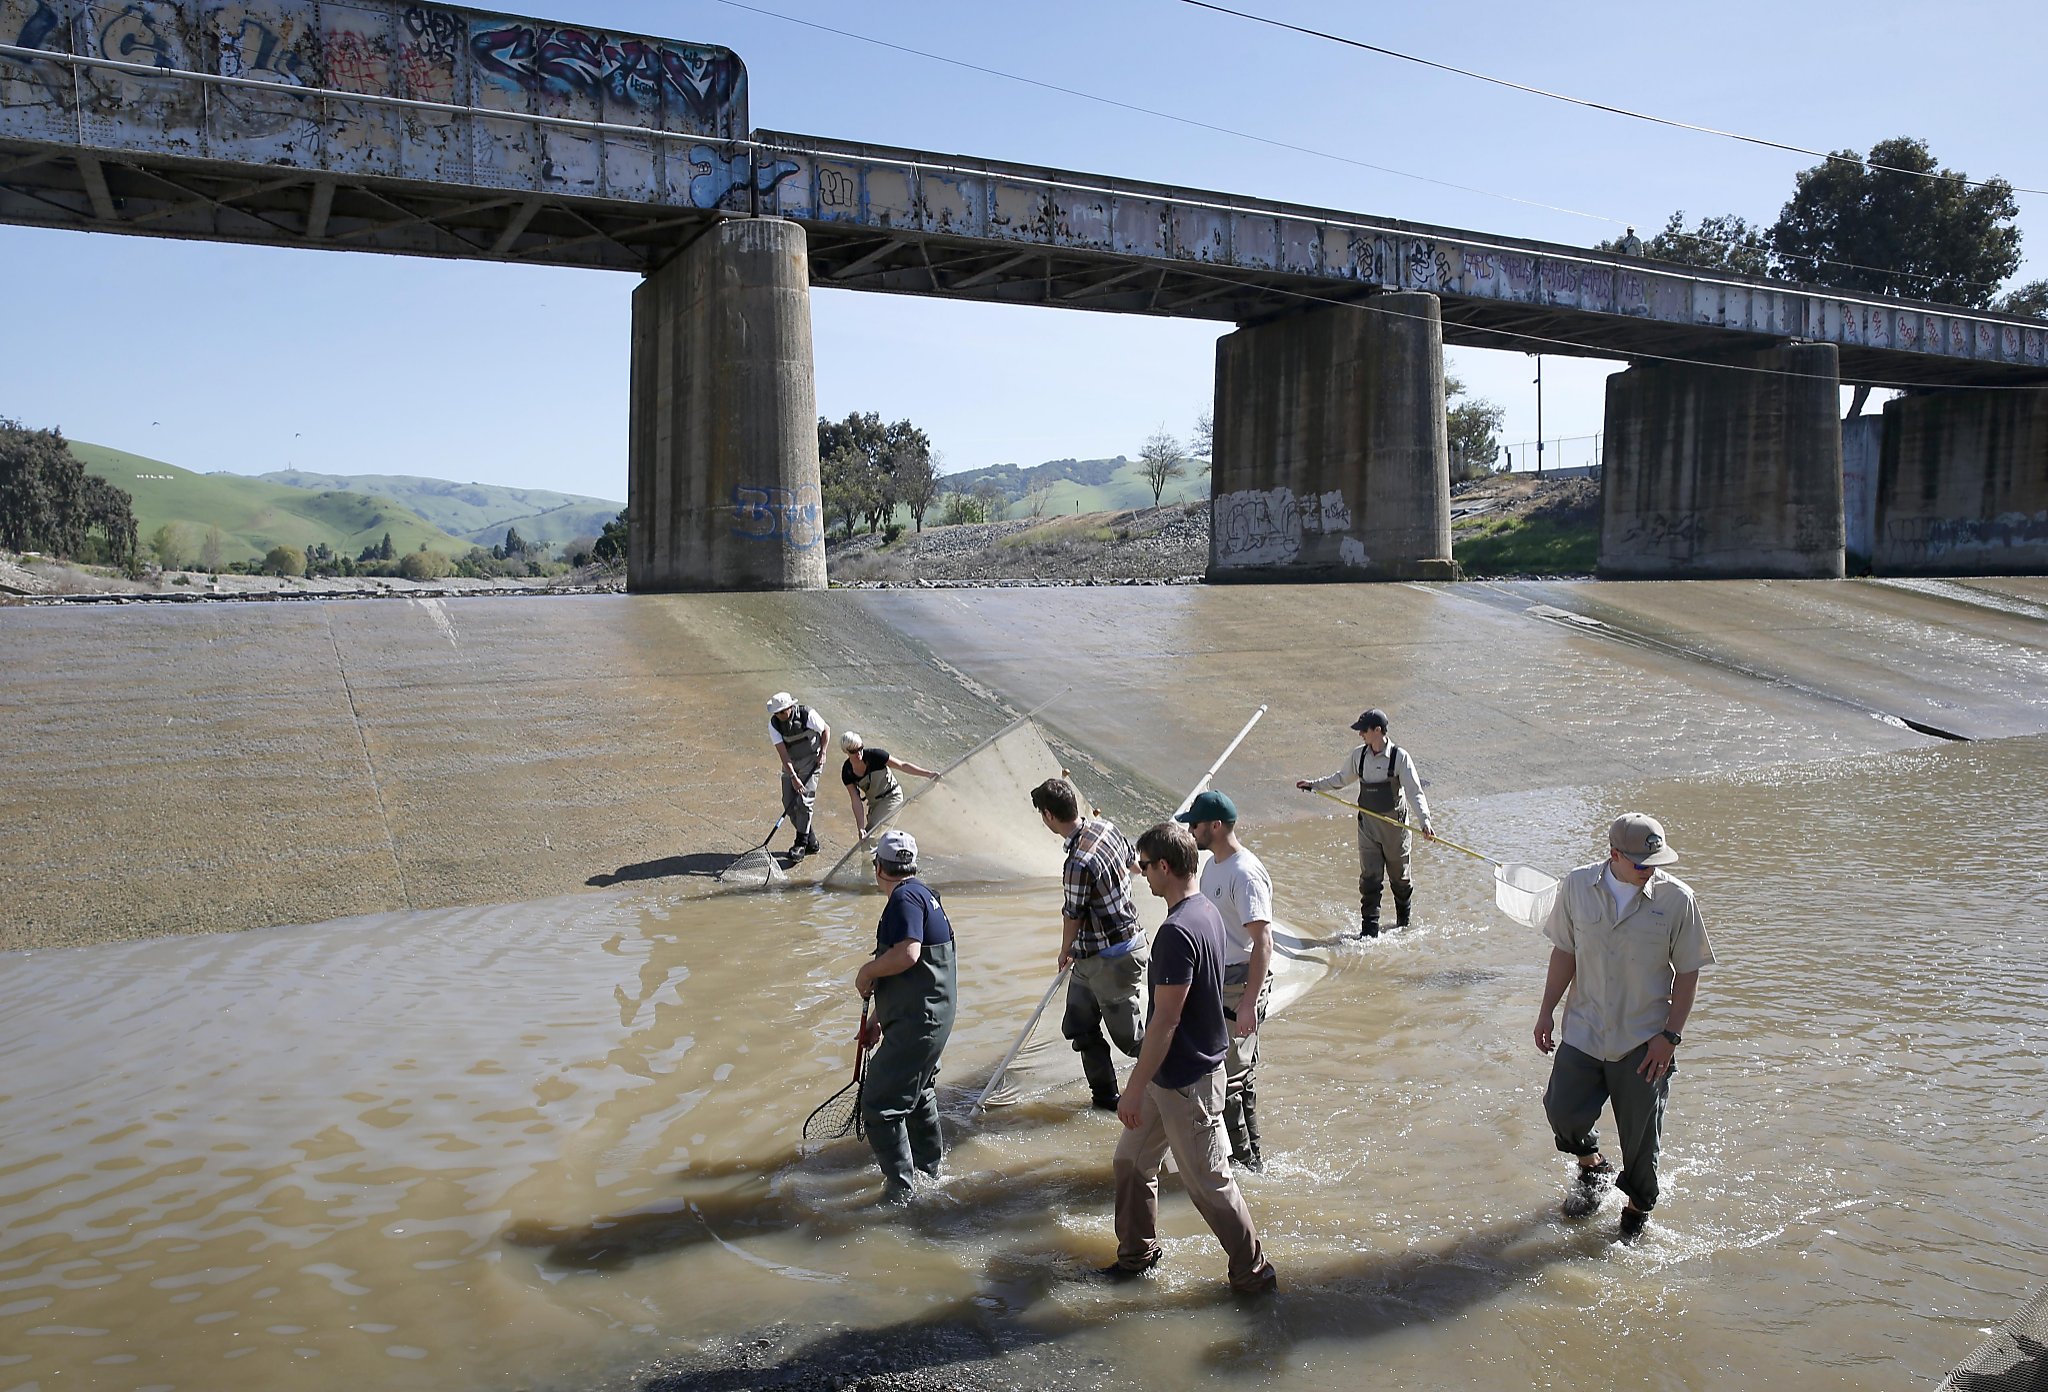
(1085,485)
(253,514)
(479,512)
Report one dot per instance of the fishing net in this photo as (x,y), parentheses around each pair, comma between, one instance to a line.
(839,1115)
(2014,1359)
(1524,893)
(755,869)
(974,825)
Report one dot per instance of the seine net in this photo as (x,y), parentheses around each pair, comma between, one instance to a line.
(974,825)
(1524,893)
(2014,1359)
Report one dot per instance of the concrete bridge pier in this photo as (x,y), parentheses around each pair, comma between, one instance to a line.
(1724,471)
(1963,485)
(1331,460)
(723,483)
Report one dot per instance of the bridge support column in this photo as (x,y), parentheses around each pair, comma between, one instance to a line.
(1713,471)
(723,485)
(1331,461)
(1963,485)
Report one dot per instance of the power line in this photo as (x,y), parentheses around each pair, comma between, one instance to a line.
(1589,104)
(1267,140)
(1165,115)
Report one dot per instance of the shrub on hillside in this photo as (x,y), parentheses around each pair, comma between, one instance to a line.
(425,565)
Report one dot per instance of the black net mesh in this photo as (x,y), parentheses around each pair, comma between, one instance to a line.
(2014,1359)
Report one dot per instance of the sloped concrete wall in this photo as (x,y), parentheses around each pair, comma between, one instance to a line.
(1731,471)
(1331,458)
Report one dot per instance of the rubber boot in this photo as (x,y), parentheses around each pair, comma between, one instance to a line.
(927,1144)
(1241,1121)
(1404,890)
(1101,1072)
(891,1146)
(1369,905)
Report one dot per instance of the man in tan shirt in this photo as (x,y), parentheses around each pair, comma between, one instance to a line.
(1628,941)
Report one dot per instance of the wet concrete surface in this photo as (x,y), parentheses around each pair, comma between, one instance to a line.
(208,768)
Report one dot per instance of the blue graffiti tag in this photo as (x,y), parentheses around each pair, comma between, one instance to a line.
(793,516)
(718,176)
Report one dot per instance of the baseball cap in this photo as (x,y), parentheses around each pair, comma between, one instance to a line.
(1374,719)
(1210,806)
(896,850)
(1641,839)
(780,702)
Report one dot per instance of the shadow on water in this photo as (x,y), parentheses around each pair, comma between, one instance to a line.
(966,1207)
(1350,1301)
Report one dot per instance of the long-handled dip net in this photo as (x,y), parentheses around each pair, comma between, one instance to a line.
(758,868)
(1522,892)
(839,1114)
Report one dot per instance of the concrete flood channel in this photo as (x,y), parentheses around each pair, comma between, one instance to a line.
(517,1104)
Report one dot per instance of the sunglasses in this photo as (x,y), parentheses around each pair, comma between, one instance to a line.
(1144,865)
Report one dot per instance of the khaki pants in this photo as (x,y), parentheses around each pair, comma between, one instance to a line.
(1189,1122)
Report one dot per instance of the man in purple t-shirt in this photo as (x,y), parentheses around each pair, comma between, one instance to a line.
(1174,1099)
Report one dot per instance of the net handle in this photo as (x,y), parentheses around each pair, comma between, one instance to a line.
(1392,821)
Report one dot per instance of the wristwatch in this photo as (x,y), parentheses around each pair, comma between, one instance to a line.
(1674,1036)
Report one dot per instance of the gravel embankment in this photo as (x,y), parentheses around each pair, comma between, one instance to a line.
(1143,546)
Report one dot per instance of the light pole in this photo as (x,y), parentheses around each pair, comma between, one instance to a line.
(1539,414)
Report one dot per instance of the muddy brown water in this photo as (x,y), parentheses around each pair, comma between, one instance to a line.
(554,1143)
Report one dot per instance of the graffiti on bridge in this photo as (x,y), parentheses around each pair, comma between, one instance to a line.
(795,517)
(1259,527)
(720,181)
(586,62)
(1676,534)
(1941,536)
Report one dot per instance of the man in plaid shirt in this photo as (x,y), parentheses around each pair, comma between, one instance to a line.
(1100,940)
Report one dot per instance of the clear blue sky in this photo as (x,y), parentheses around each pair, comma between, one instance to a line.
(222,357)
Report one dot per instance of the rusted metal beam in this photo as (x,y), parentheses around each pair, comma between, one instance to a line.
(323,207)
(515,226)
(1008,263)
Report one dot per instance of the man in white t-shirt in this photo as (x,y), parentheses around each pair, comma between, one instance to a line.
(1236,882)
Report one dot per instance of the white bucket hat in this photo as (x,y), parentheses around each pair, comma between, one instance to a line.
(780,702)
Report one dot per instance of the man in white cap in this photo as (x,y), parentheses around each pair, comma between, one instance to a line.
(1389,789)
(913,982)
(1627,939)
(800,737)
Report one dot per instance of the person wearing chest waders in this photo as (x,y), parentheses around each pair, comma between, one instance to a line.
(1236,882)
(1100,940)
(870,779)
(913,983)
(799,735)
(1387,785)
(1627,940)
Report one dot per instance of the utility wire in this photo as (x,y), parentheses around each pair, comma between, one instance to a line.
(1588,104)
(1163,115)
(1269,141)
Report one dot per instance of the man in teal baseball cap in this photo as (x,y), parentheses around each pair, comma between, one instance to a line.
(1236,882)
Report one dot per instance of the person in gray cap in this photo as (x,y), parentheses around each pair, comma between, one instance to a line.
(800,737)
(1627,939)
(1236,882)
(1388,785)
(913,982)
